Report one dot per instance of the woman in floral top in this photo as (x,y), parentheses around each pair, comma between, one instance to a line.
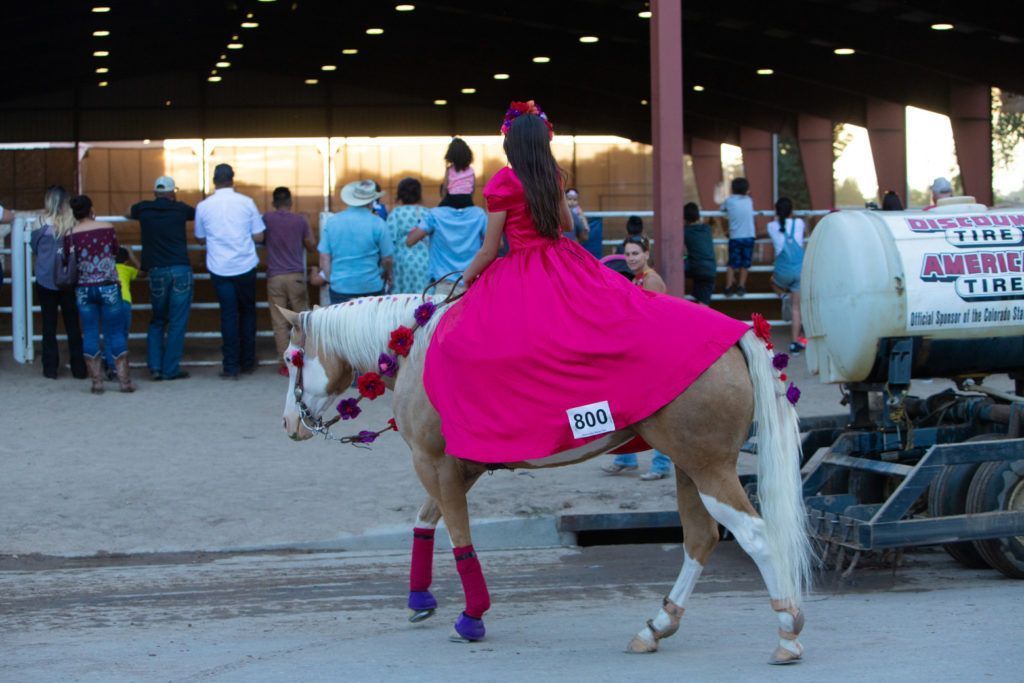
(98,294)
(412,273)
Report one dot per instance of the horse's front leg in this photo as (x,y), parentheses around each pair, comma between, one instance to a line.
(421,600)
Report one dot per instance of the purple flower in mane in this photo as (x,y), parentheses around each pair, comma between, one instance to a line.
(348,408)
(780,361)
(387,364)
(365,437)
(424,312)
(792,393)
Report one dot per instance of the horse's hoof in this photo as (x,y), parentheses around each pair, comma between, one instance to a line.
(468,629)
(420,601)
(420,615)
(641,646)
(784,656)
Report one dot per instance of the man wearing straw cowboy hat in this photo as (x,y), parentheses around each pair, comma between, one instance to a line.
(355,248)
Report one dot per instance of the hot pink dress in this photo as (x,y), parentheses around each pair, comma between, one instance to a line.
(547,329)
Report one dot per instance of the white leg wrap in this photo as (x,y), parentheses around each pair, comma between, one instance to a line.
(750,534)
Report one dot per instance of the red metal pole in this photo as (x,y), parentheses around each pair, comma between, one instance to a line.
(667,136)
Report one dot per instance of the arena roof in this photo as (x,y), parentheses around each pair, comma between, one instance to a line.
(161,55)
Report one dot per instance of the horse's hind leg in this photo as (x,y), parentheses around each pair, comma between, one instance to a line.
(727,502)
(421,600)
(700,535)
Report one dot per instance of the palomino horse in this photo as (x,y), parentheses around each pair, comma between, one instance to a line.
(344,339)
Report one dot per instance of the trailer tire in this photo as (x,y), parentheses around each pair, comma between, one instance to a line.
(948,496)
(999,486)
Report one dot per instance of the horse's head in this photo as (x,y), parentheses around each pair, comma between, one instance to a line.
(315,381)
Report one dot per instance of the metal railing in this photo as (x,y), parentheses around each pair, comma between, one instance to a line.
(22,308)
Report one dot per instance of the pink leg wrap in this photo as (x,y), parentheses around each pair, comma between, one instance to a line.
(420,574)
(478,600)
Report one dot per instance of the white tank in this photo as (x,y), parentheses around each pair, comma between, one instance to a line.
(954,272)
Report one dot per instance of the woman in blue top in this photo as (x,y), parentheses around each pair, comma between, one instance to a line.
(787,235)
(412,265)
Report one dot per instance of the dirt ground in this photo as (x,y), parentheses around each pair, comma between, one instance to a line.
(203,464)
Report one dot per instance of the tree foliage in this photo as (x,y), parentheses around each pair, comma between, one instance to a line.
(792,181)
(1007,130)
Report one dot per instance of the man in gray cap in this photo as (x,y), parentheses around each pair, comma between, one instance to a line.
(165,258)
(356,251)
(941,188)
(230,224)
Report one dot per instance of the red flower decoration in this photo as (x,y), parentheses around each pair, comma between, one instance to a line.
(761,328)
(392,424)
(297,358)
(783,377)
(517,109)
(401,341)
(370,385)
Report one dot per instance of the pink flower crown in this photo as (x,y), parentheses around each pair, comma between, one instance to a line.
(517,109)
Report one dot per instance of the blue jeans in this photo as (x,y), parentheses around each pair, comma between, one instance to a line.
(101,305)
(237,297)
(170,289)
(660,463)
(126,325)
(339,298)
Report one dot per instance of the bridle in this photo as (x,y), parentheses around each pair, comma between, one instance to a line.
(313,423)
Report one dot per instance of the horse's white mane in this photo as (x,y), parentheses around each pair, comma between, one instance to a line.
(359,330)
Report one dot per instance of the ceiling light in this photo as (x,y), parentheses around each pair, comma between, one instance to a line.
(167,103)
(646,14)
(103,84)
(213,72)
(235,46)
(501,77)
(589,39)
(102,33)
(404,8)
(765,72)
(146,141)
(311,81)
(541,60)
(843,51)
(468,91)
(329,67)
(250,24)
(222,65)
(213,79)
(100,10)
(440,103)
(100,53)
(102,70)
(374,31)
(234,37)
(942,27)
(249,15)
(644,102)
(350,51)
(698,88)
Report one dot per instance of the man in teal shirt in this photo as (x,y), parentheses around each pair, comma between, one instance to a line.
(355,248)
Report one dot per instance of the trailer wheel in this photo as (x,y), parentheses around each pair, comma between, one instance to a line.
(999,486)
(948,496)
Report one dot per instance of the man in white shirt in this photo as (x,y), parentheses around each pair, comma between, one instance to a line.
(230,224)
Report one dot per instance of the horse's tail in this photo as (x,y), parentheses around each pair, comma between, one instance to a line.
(779,486)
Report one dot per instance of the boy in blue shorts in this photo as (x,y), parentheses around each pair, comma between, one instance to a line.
(739,208)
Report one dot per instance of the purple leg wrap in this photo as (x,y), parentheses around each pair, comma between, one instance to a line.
(421,600)
(469,628)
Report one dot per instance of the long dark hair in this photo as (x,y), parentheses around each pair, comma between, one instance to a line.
(528,149)
(783,209)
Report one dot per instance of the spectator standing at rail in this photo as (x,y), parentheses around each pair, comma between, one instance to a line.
(412,264)
(634,228)
(287,239)
(700,254)
(891,202)
(56,222)
(127,271)
(459,177)
(787,233)
(941,188)
(230,225)
(165,260)
(739,208)
(580,227)
(456,235)
(356,253)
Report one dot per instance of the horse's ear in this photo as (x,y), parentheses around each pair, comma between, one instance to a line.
(291,316)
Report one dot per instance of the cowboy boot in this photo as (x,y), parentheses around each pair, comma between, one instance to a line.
(121,365)
(94,364)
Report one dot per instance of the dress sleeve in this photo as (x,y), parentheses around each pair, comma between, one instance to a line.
(502,192)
